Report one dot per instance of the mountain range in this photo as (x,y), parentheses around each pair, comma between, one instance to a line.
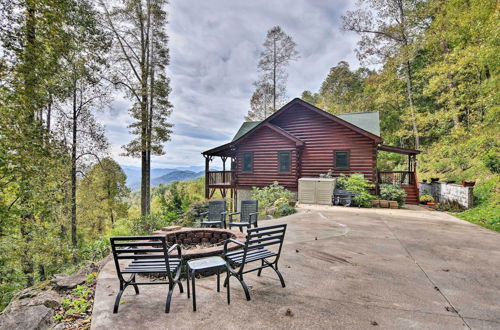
(162,175)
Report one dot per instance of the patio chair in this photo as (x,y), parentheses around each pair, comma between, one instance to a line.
(249,212)
(149,254)
(216,215)
(253,250)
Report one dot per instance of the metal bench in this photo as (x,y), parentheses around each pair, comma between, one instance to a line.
(255,249)
(343,197)
(149,255)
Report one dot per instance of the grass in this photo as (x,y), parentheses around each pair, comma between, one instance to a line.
(486,211)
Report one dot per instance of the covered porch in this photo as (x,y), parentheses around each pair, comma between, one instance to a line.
(225,180)
(407,178)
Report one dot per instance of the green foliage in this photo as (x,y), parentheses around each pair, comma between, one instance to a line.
(270,194)
(392,192)
(425,198)
(193,215)
(284,209)
(486,211)
(356,182)
(492,162)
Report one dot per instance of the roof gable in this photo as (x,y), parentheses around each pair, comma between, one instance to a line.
(368,124)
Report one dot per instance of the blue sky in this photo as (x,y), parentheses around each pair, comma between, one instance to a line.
(214,48)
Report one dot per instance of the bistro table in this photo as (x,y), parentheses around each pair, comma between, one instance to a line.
(203,264)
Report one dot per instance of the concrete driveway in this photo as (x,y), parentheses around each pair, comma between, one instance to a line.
(344,268)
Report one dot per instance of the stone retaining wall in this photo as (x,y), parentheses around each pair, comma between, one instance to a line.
(448,192)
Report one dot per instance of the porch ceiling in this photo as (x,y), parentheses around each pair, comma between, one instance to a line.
(398,150)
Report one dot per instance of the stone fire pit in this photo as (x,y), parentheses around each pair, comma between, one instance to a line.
(200,242)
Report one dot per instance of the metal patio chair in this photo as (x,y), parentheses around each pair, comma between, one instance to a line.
(253,250)
(249,212)
(216,215)
(149,254)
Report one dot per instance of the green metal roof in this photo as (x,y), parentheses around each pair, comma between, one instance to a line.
(369,121)
(245,127)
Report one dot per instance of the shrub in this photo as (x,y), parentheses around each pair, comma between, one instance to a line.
(426,198)
(193,214)
(356,182)
(145,225)
(284,209)
(393,192)
(267,196)
(492,162)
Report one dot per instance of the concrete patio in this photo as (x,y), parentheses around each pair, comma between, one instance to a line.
(344,268)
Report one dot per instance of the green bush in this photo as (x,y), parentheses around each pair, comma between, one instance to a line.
(193,214)
(270,194)
(356,182)
(145,225)
(492,162)
(284,209)
(392,192)
(426,198)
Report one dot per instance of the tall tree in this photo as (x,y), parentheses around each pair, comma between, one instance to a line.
(390,29)
(279,51)
(142,56)
(261,102)
(101,198)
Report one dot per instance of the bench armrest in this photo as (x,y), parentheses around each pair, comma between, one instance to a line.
(175,247)
(231,241)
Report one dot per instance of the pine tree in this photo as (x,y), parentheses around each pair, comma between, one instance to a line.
(279,51)
(141,58)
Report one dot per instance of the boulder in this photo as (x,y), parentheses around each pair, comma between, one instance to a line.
(64,282)
(37,317)
(34,296)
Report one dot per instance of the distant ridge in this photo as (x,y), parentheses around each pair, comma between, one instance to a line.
(162,175)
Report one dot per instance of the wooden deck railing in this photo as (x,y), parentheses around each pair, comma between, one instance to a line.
(220,178)
(396,177)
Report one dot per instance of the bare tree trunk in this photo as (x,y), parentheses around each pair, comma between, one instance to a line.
(74,242)
(409,90)
(274,77)
(27,260)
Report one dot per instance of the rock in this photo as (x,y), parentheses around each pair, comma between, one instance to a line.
(27,318)
(271,210)
(34,297)
(65,282)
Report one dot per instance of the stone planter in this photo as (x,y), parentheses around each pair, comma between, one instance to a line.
(384,203)
(375,203)
(393,205)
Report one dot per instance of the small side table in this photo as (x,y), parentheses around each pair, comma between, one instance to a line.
(203,264)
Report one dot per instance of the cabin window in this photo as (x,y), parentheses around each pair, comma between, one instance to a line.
(341,159)
(284,161)
(247,162)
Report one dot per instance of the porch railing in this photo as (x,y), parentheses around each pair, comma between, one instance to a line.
(396,177)
(220,178)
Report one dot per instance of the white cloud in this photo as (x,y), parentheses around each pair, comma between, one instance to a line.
(214,47)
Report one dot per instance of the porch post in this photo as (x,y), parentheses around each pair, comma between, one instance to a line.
(207,165)
(223,163)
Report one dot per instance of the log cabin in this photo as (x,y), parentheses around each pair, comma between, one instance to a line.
(300,140)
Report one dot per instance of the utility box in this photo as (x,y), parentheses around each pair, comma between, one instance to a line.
(316,190)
